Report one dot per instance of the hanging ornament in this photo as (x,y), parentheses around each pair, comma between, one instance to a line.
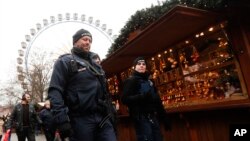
(195,55)
(117,105)
(161,62)
(156,74)
(172,60)
(116,83)
(152,64)
(183,60)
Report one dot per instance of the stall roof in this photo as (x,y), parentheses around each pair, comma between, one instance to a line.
(173,27)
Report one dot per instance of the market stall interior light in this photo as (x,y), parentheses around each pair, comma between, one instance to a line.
(159,55)
(202,34)
(165,52)
(186,41)
(152,58)
(211,29)
(222,25)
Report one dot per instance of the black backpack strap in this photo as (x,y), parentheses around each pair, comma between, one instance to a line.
(84,63)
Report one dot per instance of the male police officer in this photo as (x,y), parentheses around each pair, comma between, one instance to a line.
(78,94)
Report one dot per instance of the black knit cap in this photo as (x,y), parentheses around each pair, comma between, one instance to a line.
(80,33)
(138,59)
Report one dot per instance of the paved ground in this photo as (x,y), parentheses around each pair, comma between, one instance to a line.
(40,137)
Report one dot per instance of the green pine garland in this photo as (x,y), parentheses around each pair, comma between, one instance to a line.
(143,18)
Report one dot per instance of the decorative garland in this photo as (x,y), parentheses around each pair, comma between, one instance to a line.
(143,18)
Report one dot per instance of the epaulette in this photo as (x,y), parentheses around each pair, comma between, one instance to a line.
(64,55)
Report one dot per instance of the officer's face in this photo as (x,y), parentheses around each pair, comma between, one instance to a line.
(140,66)
(84,43)
(97,60)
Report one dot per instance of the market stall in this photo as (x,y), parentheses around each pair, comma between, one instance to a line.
(198,63)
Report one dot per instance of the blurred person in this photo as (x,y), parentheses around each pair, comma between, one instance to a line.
(24,118)
(1,128)
(47,118)
(77,91)
(97,59)
(144,103)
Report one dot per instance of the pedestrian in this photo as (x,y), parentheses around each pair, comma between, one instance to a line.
(24,118)
(78,94)
(47,118)
(1,128)
(144,103)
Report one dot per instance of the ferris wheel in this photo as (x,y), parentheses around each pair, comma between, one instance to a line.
(52,37)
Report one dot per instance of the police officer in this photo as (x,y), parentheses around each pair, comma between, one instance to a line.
(78,94)
(144,103)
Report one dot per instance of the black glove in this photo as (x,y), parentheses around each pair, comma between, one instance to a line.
(167,124)
(65,130)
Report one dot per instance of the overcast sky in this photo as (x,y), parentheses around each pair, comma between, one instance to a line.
(17,17)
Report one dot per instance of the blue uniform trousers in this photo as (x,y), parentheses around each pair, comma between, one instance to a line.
(147,128)
(86,128)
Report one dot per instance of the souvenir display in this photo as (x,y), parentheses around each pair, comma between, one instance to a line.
(200,70)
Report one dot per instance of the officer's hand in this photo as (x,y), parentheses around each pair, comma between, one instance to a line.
(65,130)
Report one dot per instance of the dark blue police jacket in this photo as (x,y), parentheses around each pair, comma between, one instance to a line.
(74,88)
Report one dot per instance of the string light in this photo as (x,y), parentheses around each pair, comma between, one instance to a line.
(211,29)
